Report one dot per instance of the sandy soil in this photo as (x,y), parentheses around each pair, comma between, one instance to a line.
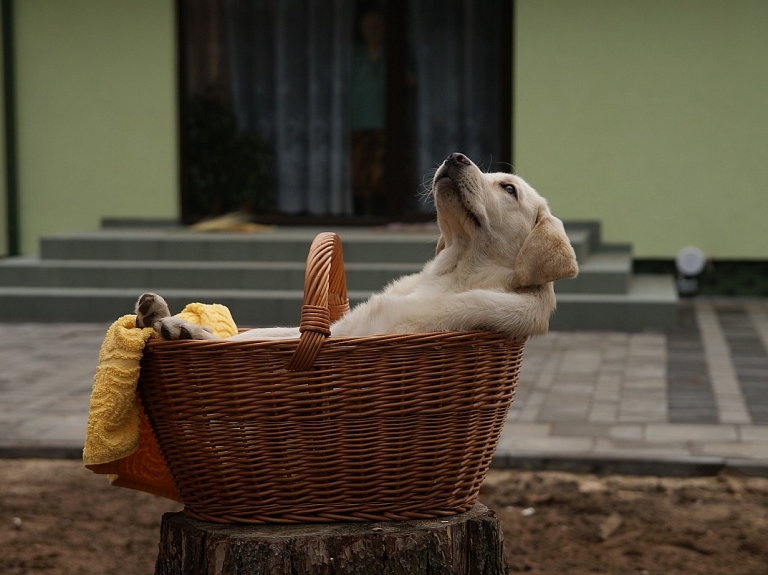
(579,524)
(58,518)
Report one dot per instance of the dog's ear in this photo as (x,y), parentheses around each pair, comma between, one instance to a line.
(440,244)
(546,254)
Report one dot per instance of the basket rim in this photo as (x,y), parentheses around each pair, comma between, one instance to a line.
(444,334)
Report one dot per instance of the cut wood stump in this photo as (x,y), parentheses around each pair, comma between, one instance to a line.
(469,543)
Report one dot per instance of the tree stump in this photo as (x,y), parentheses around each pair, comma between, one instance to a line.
(469,543)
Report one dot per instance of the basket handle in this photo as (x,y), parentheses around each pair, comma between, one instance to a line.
(325,298)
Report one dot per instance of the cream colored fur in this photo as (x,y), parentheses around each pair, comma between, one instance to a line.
(499,251)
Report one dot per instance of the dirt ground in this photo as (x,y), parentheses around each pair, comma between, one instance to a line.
(578,524)
(58,518)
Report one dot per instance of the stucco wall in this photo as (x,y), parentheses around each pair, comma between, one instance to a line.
(650,116)
(96,113)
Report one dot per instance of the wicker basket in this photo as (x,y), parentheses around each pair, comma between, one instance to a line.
(322,429)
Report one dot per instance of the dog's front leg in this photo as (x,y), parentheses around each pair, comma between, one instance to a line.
(517,315)
(152,311)
(267,333)
(513,314)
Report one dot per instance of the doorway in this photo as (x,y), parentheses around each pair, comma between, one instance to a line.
(300,111)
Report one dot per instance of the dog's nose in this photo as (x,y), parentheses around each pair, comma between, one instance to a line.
(457,158)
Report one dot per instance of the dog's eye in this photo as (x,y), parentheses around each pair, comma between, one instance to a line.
(510,189)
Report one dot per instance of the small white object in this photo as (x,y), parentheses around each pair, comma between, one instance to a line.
(690,261)
(527,512)
(17,522)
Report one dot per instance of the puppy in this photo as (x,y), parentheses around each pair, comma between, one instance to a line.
(498,253)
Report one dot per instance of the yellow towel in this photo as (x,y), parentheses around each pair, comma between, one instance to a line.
(119,440)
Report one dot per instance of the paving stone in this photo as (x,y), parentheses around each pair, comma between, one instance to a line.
(615,353)
(682,432)
(545,445)
(753,433)
(529,429)
(609,447)
(750,360)
(602,417)
(722,373)
(579,429)
(641,405)
(635,432)
(675,396)
(575,410)
(610,394)
(566,391)
(632,417)
(695,415)
(743,450)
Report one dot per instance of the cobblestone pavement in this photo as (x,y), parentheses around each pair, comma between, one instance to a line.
(695,397)
(697,394)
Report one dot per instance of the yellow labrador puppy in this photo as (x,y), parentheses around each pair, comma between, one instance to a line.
(499,251)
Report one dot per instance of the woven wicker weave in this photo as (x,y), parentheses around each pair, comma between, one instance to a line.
(321,429)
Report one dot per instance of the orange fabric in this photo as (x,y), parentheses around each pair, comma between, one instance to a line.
(145,470)
(119,440)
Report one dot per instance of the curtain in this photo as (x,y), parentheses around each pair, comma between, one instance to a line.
(285,65)
(289,73)
(456,51)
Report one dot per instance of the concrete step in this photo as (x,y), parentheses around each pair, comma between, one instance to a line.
(280,245)
(97,276)
(159,259)
(581,242)
(603,272)
(161,274)
(650,304)
(250,308)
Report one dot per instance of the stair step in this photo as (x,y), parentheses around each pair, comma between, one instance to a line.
(605,272)
(97,276)
(250,308)
(651,303)
(279,246)
(601,273)
(160,275)
(580,240)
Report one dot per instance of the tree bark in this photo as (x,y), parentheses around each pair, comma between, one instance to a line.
(466,544)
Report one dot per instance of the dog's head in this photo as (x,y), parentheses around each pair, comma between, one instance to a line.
(497,221)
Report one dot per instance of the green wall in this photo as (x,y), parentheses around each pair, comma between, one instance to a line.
(96,85)
(647,115)
(651,116)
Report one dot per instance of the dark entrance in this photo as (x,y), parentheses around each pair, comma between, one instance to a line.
(307,111)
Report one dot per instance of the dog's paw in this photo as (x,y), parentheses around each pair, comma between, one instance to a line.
(150,309)
(174,328)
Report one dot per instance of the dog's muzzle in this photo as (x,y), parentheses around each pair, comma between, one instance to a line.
(452,170)
(454,161)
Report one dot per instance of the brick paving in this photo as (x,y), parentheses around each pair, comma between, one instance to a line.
(689,391)
(750,360)
(694,398)
(697,394)
(45,383)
